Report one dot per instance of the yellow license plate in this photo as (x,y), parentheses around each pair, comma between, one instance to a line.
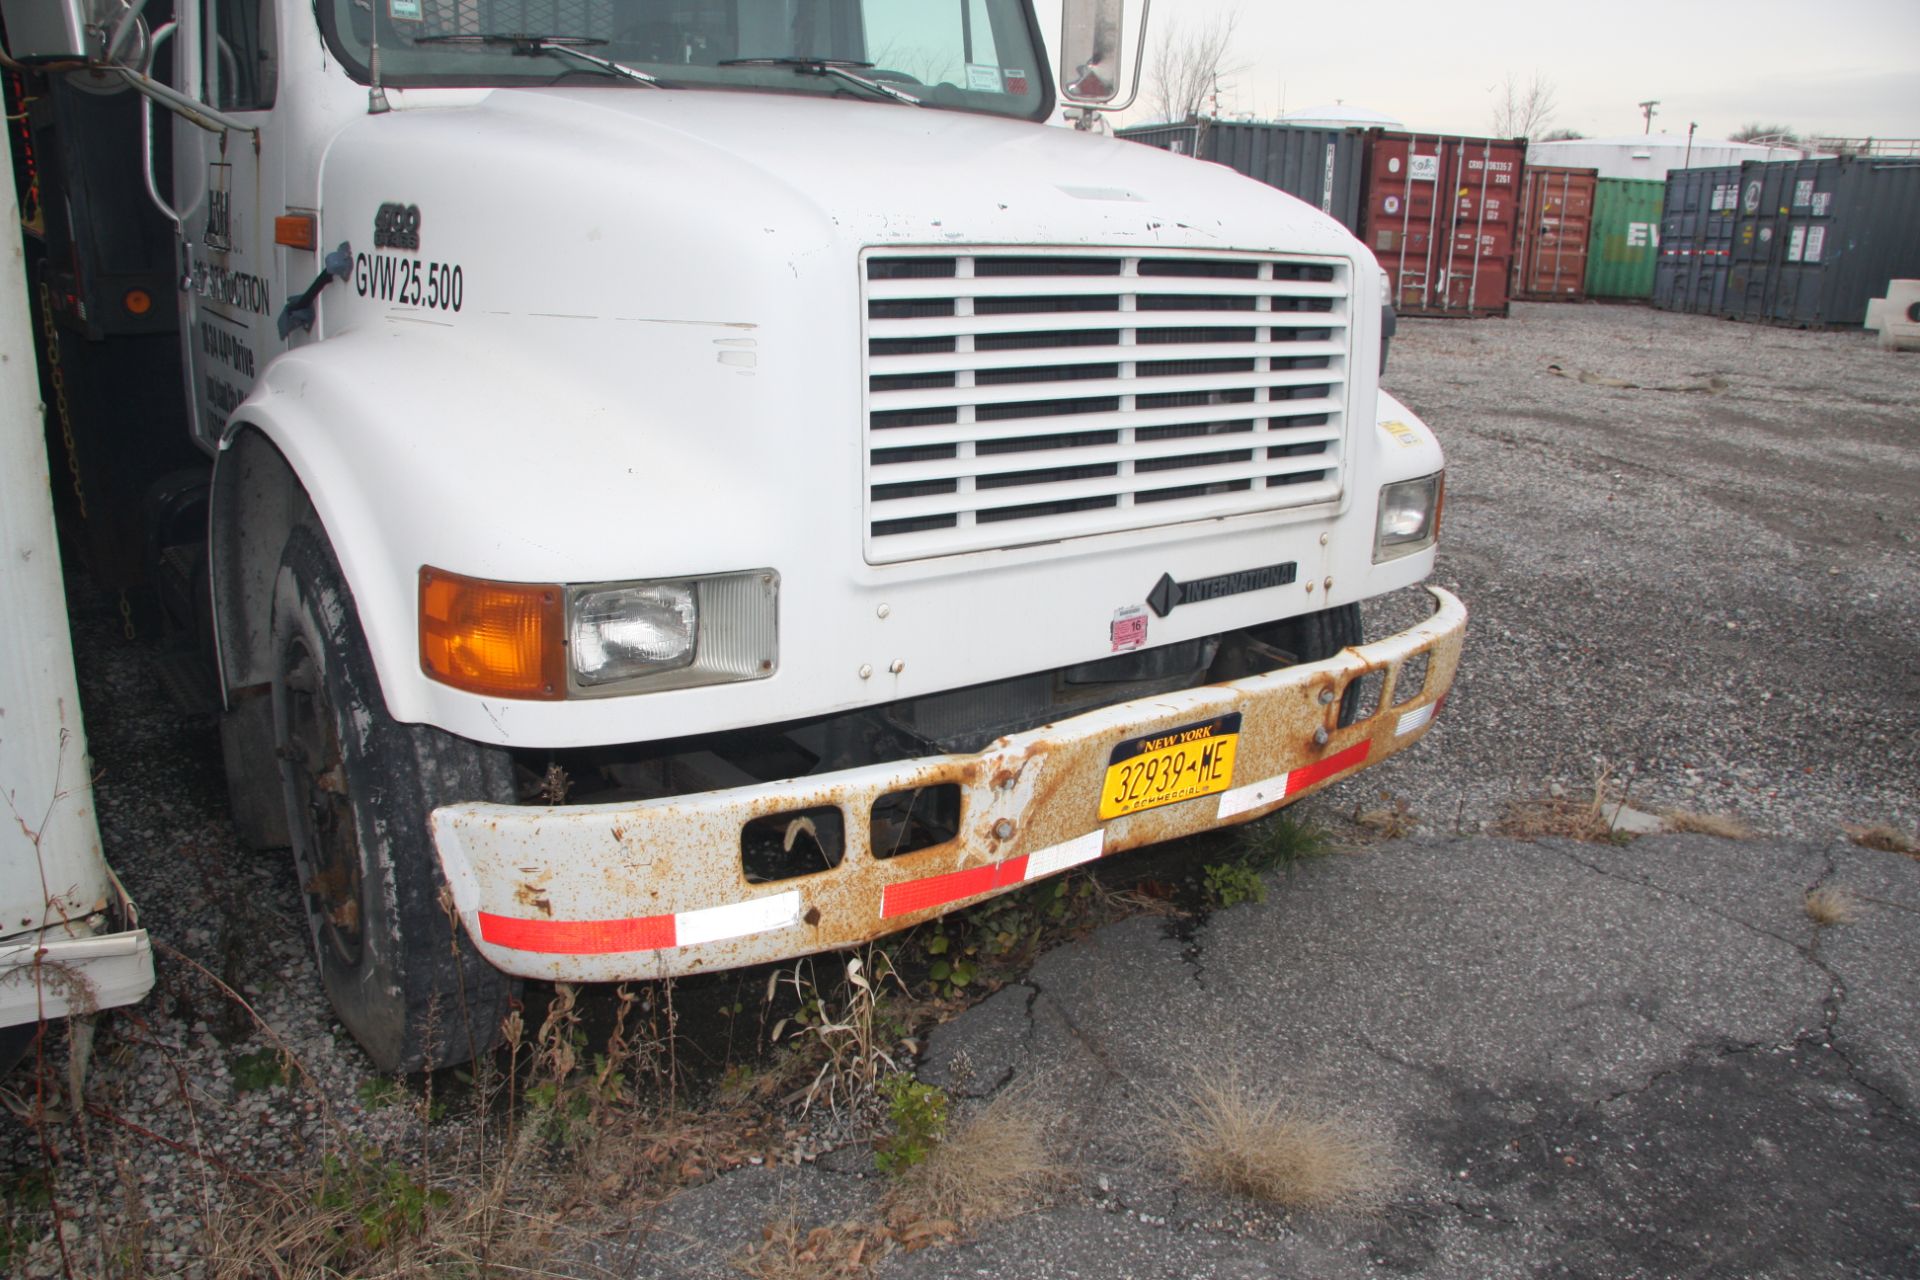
(1170,766)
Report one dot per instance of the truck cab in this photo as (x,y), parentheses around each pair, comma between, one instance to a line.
(698,483)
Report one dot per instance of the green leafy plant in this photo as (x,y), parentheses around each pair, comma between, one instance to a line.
(261,1069)
(380,1092)
(1007,929)
(29,1192)
(1228,884)
(379,1198)
(918,1113)
(1282,841)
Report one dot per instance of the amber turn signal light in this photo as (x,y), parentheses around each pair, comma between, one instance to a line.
(499,638)
(296,230)
(137,302)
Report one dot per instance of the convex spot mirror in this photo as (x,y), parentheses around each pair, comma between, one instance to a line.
(1090,50)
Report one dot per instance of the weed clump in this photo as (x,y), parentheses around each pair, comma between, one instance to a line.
(1885,838)
(995,1165)
(918,1113)
(1228,884)
(1829,906)
(1228,1137)
(788,1251)
(1282,842)
(1688,822)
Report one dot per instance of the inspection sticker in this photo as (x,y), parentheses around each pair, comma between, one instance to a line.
(1406,435)
(984,79)
(1129,629)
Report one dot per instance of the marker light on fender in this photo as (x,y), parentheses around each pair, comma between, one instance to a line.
(499,638)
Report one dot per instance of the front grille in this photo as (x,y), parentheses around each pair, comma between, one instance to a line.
(1008,402)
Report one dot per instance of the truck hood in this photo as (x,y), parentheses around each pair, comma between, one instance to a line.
(872,173)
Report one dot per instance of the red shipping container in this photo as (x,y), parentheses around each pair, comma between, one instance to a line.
(1439,215)
(1556,224)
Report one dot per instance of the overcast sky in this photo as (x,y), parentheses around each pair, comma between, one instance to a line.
(1844,67)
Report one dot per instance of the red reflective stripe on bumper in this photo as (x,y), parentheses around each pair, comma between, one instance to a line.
(1307,775)
(909,896)
(578,937)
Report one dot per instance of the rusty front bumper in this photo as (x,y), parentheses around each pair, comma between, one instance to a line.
(653,889)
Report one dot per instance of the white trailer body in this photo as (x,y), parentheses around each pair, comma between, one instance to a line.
(67,941)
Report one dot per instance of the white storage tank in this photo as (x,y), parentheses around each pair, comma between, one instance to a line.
(1651,155)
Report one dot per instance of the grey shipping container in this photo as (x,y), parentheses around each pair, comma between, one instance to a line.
(1814,240)
(1320,166)
(1696,239)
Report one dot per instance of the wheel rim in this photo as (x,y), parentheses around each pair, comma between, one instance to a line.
(328,844)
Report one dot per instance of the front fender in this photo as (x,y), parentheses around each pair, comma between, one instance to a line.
(467,450)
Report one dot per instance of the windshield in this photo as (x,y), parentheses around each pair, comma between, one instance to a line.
(973,55)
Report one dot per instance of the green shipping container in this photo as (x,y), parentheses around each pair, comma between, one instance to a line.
(1626,238)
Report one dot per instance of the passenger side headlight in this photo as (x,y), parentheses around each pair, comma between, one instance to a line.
(1409,517)
(631,636)
(546,642)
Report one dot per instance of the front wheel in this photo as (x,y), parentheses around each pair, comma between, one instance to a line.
(359,788)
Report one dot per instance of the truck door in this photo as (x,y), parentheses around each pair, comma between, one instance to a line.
(231,270)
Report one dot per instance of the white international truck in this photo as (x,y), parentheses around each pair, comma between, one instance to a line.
(692,483)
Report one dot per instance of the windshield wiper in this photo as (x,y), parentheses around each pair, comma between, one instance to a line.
(838,68)
(525,45)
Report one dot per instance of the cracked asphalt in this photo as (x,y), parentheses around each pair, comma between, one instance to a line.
(1619,1061)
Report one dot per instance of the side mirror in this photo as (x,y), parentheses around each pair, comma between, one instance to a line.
(1090,53)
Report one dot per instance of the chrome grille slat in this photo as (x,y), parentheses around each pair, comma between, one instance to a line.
(1105,487)
(1095,388)
(1047,322)
(1014,397)
(1151,451)
(1142,419)
(1092,287)
(956,362)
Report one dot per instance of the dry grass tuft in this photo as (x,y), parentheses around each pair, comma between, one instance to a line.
(1587,818)
(1885,838)
(996,1165)
(1230,1138)
(1391,819)
(789,1252)
(1829,907)
(1688,822)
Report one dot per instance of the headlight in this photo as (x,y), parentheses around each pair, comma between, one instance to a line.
(1409,517)
(540,641)
(618,633)
(627,637)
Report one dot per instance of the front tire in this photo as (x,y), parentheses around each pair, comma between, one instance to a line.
(359,788)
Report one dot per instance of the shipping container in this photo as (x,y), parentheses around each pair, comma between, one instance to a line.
(1626,238)
(1814,240)
(1556,220)
(1650,157)
(1439,214)
(1320,166)
(1696,239)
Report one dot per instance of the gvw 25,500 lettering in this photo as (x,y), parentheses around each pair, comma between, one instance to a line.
(386,277)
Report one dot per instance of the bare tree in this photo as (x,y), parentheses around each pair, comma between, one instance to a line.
(1190,66)
(1561,135)
(1754,131)
(1521,110)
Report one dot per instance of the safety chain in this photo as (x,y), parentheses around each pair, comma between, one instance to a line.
(126,617)
(60,395)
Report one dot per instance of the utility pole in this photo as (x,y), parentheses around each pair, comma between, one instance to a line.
(1647,107)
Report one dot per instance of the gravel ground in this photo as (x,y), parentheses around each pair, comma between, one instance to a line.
(1715,594)
(1712,593)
